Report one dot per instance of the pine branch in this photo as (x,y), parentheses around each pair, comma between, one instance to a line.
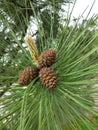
(36,106)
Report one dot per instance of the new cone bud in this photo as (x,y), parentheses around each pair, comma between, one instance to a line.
(47,58)
(32,48)
(48,77)
(27,75)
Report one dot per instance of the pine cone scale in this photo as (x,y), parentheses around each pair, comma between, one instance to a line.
(48,77)
(47,58)
(27,75)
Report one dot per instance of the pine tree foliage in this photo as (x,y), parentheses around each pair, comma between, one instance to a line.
(70,104)
(16,16)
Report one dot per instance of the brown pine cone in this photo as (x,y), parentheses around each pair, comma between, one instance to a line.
(27,75)
(48,77)
(47,58)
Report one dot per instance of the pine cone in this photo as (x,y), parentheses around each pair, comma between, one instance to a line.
(47,58)
(27,75)
(48,77)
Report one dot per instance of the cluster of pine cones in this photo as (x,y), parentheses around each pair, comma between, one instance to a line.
(47,75)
